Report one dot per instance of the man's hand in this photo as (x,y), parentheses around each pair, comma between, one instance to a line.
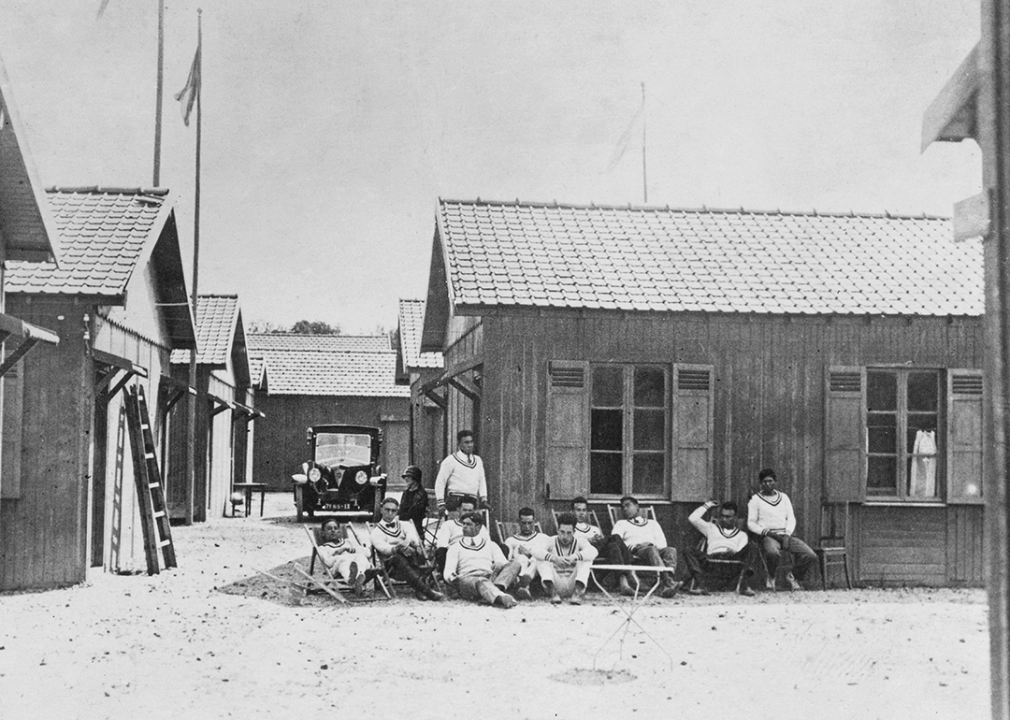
(523,550)
(485,505)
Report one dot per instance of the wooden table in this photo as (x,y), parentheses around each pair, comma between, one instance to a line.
(636,603)
(249,489)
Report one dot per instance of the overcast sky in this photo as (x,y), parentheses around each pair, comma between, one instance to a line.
(331,128)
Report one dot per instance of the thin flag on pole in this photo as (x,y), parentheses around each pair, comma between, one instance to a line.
(187,96)
(101,8)
(625,140)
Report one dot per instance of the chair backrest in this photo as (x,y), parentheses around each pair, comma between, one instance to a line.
(593,519)
(508,528)
(615,513)
(834,523)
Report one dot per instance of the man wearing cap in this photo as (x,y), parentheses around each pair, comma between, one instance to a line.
(462,473)
(399,546)
(478,567)
(414,500)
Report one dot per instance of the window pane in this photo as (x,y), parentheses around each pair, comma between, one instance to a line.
(650,430)
(650,387)
(883,439)
(608,386)
(881,476)
(647,474)
(881,391)
(605,475)
(923,391)
(608,430)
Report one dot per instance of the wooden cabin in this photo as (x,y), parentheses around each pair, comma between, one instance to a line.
(326,379)
(420,371)
(226,408)
(672,354)
(28,234)
(118,301)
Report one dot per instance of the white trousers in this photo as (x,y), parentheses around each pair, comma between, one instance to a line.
(341,563)
(564,579)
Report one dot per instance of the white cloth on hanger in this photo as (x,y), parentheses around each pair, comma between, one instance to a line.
(922,483)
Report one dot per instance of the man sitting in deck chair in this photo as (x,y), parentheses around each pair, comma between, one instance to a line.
(564,563)
(400,548)
(640,541)
(584,527)
(478,567)
(341,552)
(452,529)
(522,548)
(724,540)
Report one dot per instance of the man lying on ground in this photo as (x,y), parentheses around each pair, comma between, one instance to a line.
(522,548)
(724,540)
(565,562)
(478,567)
(341,552)
(640,541)
(400,548)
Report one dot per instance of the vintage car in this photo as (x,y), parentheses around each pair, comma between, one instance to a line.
(342,478)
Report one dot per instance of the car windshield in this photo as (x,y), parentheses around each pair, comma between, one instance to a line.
(349,450)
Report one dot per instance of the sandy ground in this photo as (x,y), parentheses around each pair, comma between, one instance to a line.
(214,639)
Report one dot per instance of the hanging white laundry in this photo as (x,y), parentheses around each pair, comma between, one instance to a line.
(922,482)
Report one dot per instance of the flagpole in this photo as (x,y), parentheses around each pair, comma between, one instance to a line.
(194,400)
(645,183)
(158,100)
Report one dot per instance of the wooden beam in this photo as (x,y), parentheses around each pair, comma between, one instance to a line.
(972,218)
(951,117)
(437,399)
(220,404)
(121,384)
(465,386)
(173,400)
(19,352)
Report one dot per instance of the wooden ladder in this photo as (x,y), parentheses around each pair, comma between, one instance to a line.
(150,493)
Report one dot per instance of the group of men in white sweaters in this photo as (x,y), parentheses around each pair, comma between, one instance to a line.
(479,569)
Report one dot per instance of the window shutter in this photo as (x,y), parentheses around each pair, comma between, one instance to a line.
(566,471)
(693,427)
(10,452)
(965,408)
(845,452)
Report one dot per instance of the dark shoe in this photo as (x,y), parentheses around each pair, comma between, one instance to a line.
(626,588)
(523,593)
(433,594)
(506,601)
(746,591)
(695,590)
(793,584)
(670,590)
(420,595)
(577,596)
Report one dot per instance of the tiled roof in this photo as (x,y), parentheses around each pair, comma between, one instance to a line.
(217,316)
(333,343)
(345,373)
(103,234)
(411,323)
(728,261)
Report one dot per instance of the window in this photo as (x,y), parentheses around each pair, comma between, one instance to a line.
(628,430)
(902,427)
(904,434)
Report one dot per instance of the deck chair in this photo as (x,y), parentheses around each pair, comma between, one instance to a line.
(508,528)
(614,511)
(593,519)
(389,582)
(332,583)
(720,567)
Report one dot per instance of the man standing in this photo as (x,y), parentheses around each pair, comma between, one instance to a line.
(414,500)
(460,474)
(724,540)
(640,541)
(399,546)
(565,562)
(478,567)
(770,515)
(522,548)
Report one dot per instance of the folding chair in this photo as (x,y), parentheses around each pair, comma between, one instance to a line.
(389,584)
(593,519)
(616,513)
(332,583)
(508,528)
(720,566)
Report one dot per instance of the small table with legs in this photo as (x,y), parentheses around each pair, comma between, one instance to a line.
(249,489)
(636,602)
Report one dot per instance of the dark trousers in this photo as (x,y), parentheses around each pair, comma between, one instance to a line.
(407,569)
(797,558)
(697,562)
(648,554)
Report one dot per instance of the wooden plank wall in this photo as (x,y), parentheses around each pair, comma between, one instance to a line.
(220,458)
(123,533)
(769,389)
(279,446)
(44,533)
